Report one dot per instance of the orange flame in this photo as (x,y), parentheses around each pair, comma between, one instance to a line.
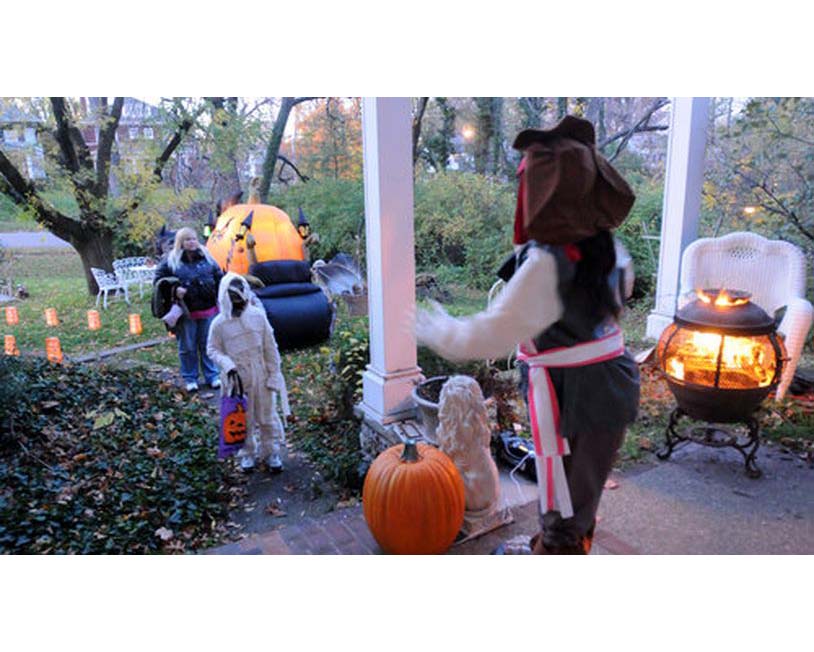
(722,299)
(746,362)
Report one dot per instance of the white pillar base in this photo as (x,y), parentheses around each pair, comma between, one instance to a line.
(656,323)
(388,397)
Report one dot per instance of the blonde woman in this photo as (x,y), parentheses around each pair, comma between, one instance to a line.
(198,277)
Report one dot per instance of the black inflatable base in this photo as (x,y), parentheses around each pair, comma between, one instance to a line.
(298,320)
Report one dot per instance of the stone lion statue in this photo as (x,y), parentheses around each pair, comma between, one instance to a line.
(463,434)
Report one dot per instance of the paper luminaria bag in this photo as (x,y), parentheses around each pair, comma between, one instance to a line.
(233,406)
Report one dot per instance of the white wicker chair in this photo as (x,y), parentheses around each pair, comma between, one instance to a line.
(772,270)
(107,282)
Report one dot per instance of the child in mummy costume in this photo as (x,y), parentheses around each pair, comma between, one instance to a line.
(241,341)
(559,311)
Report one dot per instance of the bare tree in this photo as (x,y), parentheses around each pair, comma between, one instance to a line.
(639,125)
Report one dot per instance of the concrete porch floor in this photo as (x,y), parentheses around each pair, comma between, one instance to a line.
(698,502)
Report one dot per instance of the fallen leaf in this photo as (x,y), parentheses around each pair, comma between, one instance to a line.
(47,405)
(611,484)
(164,534)
(104,420)
(274,510)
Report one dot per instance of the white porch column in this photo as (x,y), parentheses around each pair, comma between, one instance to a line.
(388,174)
(683,181)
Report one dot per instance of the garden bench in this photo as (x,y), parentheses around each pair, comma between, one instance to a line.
(134,271)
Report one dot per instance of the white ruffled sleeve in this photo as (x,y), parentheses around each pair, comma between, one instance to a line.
(527,306)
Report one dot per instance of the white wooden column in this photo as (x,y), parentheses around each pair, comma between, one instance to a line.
(388,174)
(683,181)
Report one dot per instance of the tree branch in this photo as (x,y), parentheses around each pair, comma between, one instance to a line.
(22,192)
(640,126)
(172,145)
(783,134)
(63,136)
(107,136)
(273,148)
(73,145)
(780,206)
(417,118)
(285,161)
(183,127)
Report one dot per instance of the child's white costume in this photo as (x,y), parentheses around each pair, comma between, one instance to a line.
(246,344)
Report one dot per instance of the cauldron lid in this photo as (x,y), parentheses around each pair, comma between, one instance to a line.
(745,318)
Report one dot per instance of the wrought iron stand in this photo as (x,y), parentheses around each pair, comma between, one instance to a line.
(716,437)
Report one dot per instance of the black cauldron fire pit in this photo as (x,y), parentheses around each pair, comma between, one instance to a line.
(721,357)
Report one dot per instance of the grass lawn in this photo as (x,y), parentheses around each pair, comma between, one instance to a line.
(55,279)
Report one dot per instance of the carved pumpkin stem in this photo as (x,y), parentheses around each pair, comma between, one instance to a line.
(410,453)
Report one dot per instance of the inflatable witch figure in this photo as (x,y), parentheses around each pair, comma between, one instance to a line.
(559,309)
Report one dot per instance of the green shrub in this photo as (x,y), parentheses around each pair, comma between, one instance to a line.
(326,384)
(465,221)
(94,460)
(644,219)
(335,209)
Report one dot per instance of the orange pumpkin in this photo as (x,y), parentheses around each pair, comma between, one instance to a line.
(234,426)
(276,237)
(413,500)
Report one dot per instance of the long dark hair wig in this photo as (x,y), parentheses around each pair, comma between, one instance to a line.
(591,284)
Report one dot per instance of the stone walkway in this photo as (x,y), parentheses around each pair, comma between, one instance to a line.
(698,502)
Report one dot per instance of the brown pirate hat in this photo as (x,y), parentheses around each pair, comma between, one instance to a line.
(571,191)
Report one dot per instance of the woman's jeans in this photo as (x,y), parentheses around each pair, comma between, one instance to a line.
(191,335)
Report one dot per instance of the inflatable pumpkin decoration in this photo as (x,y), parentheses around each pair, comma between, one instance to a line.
(272,229)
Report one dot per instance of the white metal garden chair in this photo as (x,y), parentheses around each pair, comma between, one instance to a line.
(130,271)
(107,282)
(773,271)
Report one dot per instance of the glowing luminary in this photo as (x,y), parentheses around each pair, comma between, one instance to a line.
(51,318)
(94,320)
(53,349)
(135,324)
(12,318)
(11,345)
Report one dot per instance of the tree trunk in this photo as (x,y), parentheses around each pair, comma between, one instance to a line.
(95,248)
(274,147)
(562,107)
(498,162)
(483,133)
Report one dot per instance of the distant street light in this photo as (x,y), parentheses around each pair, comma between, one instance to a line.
(468,132)
(749,210)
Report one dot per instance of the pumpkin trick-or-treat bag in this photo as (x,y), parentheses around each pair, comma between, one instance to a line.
(233,405)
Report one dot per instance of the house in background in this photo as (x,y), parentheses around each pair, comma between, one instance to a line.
(18,136)
(137,131)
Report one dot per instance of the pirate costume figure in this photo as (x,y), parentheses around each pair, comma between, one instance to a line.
(241,341)
(559,310)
